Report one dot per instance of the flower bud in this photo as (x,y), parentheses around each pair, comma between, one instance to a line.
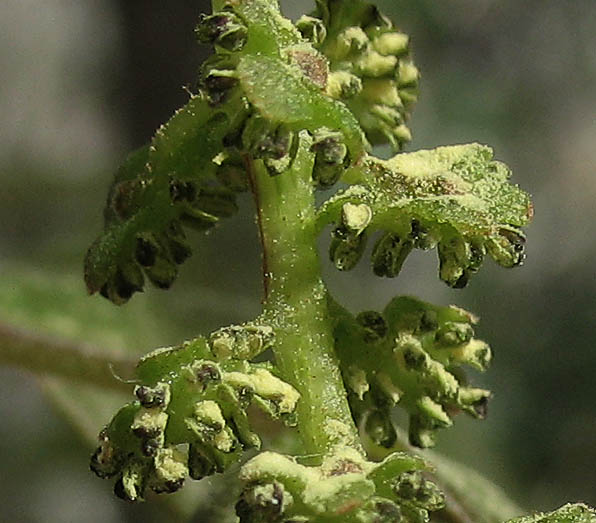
(149,423)
(343,85)
(170,470)
(474,401)
(434,412)
(408,484)
(331,153)
(223,29)
(507,247)
(454,333)
(265,502)
(375,65)
(454,255)
(346,248)
(390,253)
(352,40)
(199,464)
(407,74)
(241,341)
(158,396)
(380,429)
(391,43)
(218,83)
(312,29)
(131,485)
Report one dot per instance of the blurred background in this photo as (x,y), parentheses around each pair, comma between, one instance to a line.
(82,83)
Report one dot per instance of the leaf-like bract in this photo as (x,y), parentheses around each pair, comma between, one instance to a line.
(455,197)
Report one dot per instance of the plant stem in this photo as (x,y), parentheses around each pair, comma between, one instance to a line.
(47,356)
(296,298)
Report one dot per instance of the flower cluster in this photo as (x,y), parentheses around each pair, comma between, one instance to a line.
(189,416)
(410,356)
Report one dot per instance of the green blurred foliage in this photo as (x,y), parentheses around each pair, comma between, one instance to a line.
(84,84)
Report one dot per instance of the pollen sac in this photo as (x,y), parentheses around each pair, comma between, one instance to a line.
(218,83)
(390,253)
(331,155)
(374,325)
(380,429)
(346,248)
(223,29)
(507,247)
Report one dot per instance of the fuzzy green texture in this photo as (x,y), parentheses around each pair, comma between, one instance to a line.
(571,513)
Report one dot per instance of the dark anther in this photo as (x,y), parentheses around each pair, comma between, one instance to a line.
(408,484)
(208,373)
(146,433)
(462,281)
(414,360)
(224,29)
(182,191)
(481,407)
(104,464)
(145,252)
(389,255)
(168,487)
(380,429)
(388,512)
(374,325)
(150,447)
(150,397)
(199,465)
(124,289)
(429,321)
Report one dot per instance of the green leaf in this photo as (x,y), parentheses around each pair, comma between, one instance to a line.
(297,103)
(570,513)
(455,197)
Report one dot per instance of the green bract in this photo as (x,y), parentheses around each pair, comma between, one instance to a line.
(283,110)
(577,513)
(456,198)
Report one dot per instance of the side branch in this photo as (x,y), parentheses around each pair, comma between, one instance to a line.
(50,356)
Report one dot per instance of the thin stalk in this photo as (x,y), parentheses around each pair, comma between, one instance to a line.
(48,356)
(296,299)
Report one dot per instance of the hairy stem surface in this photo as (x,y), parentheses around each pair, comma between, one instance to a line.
(296,298)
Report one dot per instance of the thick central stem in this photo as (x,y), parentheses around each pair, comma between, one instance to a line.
(296,299)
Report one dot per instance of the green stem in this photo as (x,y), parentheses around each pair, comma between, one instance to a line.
(47,356)
(296,298)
